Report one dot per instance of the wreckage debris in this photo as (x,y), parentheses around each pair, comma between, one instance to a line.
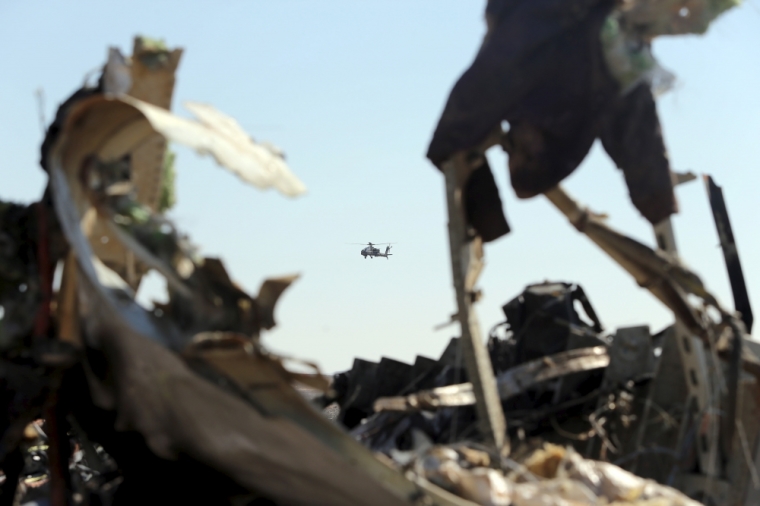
(731,255)
(509,383)
(182,400)
(548,476)
(622,397)
(562,76)
(111,403)
(584,70)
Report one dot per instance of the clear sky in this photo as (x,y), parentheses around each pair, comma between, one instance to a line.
(351,91)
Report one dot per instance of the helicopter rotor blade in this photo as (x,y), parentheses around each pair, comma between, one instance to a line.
(372,243)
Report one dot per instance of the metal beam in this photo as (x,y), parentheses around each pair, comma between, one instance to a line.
(695,369)
(730,253)
(466,264)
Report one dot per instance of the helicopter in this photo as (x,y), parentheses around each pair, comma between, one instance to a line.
(372,252)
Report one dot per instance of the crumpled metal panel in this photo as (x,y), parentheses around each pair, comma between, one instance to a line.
(509,383)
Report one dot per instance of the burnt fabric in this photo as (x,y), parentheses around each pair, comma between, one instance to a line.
(631,135)
(542,69)
(483,204)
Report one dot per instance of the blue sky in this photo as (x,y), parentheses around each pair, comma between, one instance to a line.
(351,92)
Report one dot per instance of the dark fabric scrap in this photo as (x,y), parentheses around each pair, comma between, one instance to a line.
(483,204)
(542,63)
(539,158)
(632,136)
(543,70)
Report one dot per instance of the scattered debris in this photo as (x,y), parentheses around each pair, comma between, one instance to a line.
(107,402)
(181,402)
(550,475)
(582,70)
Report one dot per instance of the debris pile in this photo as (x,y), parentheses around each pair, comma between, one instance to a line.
(110,403)
(178,403)
(550,475)
(622,397)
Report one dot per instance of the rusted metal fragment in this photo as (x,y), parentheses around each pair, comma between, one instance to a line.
(257,430)
(67,303)
(180,413)
(730,252)
(448,396)
(510,383)
(750,359)
(466,264)
(149,75)
(520,378)
(297,457)
(269,294)
(125,123)
(153,68)
(631,355)
(102,134)
(90,167)
(654,270)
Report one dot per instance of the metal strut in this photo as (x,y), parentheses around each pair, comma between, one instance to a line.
(466,264)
